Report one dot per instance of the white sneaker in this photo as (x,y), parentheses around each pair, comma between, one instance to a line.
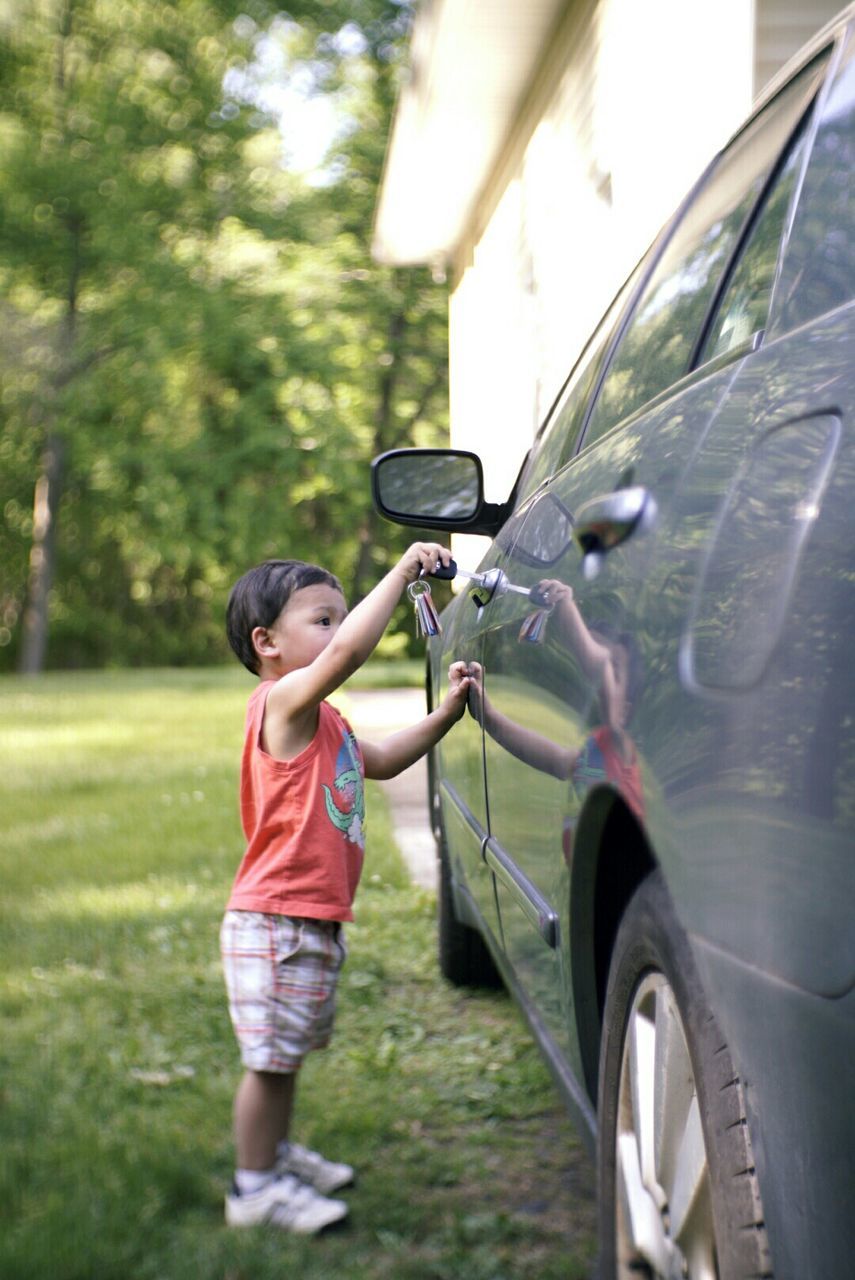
(284,1202)
(324,1175)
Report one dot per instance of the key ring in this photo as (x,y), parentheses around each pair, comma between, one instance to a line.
(427,618)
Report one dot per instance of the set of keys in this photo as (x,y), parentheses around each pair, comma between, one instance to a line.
(427,618)
(493,582)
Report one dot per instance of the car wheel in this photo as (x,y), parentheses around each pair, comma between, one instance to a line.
(678,1194)
(463,955)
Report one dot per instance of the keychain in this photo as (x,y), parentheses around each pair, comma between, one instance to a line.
(427,618)
(534,626)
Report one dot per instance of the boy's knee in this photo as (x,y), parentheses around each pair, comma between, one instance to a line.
(275,1081)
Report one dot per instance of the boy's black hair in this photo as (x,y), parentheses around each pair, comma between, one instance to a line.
(258,598)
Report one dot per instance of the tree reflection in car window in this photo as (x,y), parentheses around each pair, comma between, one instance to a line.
(745,304)
(818,272)
(657,347)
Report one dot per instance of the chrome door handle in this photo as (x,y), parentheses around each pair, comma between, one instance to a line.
(604,523)
(494,582)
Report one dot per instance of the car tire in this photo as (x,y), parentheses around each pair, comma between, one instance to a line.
(677,1190)
(464,958)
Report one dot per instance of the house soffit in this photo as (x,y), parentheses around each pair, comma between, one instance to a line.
(471,63)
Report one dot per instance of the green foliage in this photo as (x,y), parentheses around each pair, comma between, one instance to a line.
(201,327)
(118,1065)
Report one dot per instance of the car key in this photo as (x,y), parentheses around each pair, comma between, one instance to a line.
(427,618)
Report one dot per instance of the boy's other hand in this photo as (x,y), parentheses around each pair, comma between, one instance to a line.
(459,683)
(475,674)
(422,556)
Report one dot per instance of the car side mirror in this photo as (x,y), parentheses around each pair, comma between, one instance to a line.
(434,489)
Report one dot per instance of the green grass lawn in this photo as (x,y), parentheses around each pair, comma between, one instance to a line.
(117,1062)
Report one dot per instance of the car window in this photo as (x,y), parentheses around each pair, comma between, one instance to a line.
(818,271)
(657,346)
(745,304)
(557,441)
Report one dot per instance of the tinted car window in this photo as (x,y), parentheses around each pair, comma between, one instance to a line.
(818,272)
(657,347)
(745,304)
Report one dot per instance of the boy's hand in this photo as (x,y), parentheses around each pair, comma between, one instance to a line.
(551,591)
(459,682)
(422,555)
(475,693)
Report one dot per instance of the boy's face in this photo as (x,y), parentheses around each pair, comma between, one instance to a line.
(303,629)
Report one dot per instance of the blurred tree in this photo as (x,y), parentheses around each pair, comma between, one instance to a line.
(200,357)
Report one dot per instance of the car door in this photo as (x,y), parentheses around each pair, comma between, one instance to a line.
(566,714)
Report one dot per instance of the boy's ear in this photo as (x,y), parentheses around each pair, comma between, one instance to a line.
(263,643)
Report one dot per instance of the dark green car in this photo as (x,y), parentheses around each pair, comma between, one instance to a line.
(645,823)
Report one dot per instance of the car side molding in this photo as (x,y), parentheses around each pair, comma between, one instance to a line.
(526,895)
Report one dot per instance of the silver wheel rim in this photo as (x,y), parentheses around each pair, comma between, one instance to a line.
(664,1220)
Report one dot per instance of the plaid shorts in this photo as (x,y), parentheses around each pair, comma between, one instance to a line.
(281,974)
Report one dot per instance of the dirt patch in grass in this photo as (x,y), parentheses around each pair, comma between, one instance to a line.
(544,1173)
(536,1173)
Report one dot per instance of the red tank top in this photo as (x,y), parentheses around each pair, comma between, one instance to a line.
(304,821)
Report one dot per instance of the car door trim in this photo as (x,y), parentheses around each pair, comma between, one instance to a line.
(455,798)
(527,896)
(724,358)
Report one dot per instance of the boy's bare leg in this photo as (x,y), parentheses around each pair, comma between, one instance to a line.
(263,1105)
(262,1110)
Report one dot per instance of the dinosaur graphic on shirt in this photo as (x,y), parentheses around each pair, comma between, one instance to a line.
(351,788)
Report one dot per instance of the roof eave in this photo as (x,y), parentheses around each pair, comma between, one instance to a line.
(471,63)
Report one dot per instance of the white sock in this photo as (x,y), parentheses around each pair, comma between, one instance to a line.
(249,1180)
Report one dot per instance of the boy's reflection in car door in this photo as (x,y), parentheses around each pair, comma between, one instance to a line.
(556,694)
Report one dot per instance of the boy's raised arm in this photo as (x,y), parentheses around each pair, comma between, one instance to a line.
(356,638)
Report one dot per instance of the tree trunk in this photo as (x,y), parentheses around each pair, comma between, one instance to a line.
(363,573)
(42,557)
(50,479)
(387,435)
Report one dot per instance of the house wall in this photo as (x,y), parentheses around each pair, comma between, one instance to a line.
(781,27)
(630,102)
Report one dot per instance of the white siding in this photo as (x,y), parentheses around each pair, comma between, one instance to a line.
(629,104)
(782,27)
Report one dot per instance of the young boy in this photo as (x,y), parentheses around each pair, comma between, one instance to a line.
(302,810)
